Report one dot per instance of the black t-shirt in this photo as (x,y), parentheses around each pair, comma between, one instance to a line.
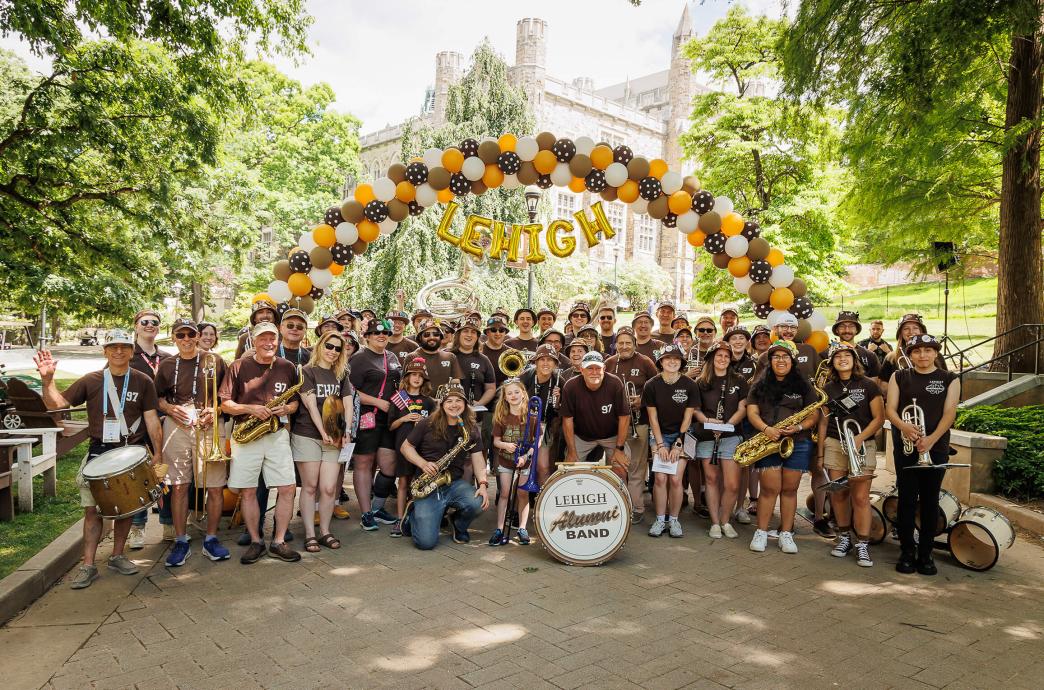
(433,449)
(930,392)
(595,413)
(735,388)
(543,390)
(807,360)
(477,371)
(670,400)
(326,387)
(493,355)
(789,404)
(423,405)
(370,372)
(146,363)
(608,343)
(881,354)
(296,356)
(859,392)
(745,367)
(871,364)
(638,370)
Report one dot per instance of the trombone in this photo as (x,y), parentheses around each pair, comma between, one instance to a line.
(216,454)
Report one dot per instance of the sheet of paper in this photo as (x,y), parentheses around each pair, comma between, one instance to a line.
(479,408)
(711,426)
(346,452)
(689,445)
(663,467)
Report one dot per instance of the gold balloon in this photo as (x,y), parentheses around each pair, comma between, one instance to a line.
(534,256)
(600,225)
(445,233)
(505,242)
(472,232)
(564,247)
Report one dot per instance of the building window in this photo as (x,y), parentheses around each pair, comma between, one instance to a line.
(616,212)
(613,140)
(266,236)
(645,229)
(565,205)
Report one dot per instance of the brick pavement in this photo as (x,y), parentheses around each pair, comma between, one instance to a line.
(666,613)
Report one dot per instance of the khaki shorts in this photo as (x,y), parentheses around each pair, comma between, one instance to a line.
(834,457)
(307,449)
(86,497)
(183,465)
(270,454)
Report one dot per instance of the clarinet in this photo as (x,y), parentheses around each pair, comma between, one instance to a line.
(718,414)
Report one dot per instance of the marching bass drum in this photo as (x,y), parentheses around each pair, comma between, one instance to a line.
(583,514)
(122,482)
(977,539)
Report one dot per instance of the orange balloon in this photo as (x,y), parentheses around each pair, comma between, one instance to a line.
(740,266)
(507,142)
(324,235)
(781,298)
(493,177)
(696,238)
(364,194)
(336,269)
(602,157)
(577,185)
(679,202)
(732,224)
(262,297)
(452,159)
(300,284)
(657,167)
(405,192)
(368,230)
(628,192)
(545,162)
(443,195)
(775,257)
(818,340)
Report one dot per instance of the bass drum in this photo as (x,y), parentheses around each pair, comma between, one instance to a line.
(583,514)
(977,539)
(949,509)
(122,482)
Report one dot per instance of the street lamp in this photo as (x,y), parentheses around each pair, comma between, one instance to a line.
(617,250)
(532,200)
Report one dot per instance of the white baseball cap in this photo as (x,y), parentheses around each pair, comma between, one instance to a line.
(118,336)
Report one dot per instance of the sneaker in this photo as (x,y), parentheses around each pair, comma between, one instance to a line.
(844,545)
(85,575)
(863,554)
(636,517)
(384,517)
(906,563)
(213,550)
(658,526)
(676,529)
(714,532)
(926,566)
(523,536)
(496,538)
(341,513)
(283,552)
(396,530)
(367,522)
(786,542)
(253,553)
(460,536)
(760,540)
(729,531)
(343,497)
(752,509)
(823,529)
(179,553)
(122,565)
(742,517)
(701,512)
(244,539)
(168,533)
(136,538)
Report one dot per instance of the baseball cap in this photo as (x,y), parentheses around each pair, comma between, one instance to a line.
(264,327)
(592,359)
(118,336)
(183,323)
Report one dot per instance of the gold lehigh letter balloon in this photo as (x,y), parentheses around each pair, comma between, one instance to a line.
(600,225)
(444,232)
(504,242)
(567,245)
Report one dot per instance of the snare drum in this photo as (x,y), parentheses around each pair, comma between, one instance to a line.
(949,511)
(583,514)
(122,481)
(977,539)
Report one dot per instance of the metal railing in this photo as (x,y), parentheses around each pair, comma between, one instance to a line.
(1038,331)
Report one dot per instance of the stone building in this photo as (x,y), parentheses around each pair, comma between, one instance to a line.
(648,113)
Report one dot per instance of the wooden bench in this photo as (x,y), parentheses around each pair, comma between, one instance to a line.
(29,465)
(11,447)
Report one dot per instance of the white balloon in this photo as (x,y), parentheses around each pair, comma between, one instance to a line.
(561,176)
(426,196)
(736,246)
(279,291)
(774,316)
(584,145)
(527,148)
(640,205)
(384,189)
(346,233)
(387,226)
(321,277)
(511,182)
(433,158)
(742,284)
(473,168)
(306,241)
(723,205)
(688,221)
(671,182)
(817,321)
(615,174)
(782,276)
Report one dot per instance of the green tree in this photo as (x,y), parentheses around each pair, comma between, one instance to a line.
(943,130)
(772,158)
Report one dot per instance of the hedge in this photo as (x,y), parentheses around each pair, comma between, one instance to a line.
(1019,473)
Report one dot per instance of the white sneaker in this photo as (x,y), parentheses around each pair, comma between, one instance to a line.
(715,532)
(786,542)
(729,531)
(863,554)
(742,517)
(676,530)
(657,528)
(136,538)
(844,545)
(760,540)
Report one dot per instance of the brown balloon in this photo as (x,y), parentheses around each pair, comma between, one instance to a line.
(638,169)
(439,178)
(321,257)
(305,304)
(545,140)
(488,152)
(798,287)
(658,208)
(691,184)
(396,173)
(478,187)
(721,260)
(397,210)
(609,193)
(759,293)
(804,330)
(281,270)
(352,211)
(527,174)
(359,247)
(580,165)
(758,248)
(710,222)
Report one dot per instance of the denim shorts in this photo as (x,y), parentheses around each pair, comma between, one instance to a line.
(668,440)
(726,447)
(799,460)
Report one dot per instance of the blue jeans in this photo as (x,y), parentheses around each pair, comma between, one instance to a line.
(428,511)
(800,459)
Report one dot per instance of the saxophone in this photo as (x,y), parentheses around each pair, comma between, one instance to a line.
(254,428)
(425,484)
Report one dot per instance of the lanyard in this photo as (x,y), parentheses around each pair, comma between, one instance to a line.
(282,353)
(105,392)
(151,360)
(195,376)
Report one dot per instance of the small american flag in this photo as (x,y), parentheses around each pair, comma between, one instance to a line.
(401,399)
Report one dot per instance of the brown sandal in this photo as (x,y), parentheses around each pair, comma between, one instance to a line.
(311,545)
(330,541)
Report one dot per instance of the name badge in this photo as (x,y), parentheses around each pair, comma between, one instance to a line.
(190,411)
(111,431)
(283,419)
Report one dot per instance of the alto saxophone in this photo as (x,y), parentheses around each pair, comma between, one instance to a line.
(253,428)
(425,484)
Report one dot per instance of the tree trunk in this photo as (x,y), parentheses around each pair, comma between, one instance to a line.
(1020,284)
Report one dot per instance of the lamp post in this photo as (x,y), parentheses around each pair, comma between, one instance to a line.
(532,200)
(617,249)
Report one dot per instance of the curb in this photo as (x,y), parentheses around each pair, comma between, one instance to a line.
(27,584)
(1025,518)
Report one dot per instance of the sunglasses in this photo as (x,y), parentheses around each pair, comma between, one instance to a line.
(431,334)
(181,335)
(704,330)
(294,326)
(498,330)
(606,318)
(333,348)
(149,322)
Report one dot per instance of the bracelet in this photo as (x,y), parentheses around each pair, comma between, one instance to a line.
(484,483)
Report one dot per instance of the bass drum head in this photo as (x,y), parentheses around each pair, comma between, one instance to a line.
(973,545)
(583,516)
(890,506)
(949,511)
(114,461)
(878,526)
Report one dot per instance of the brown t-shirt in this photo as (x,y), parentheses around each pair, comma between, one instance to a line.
(670,400)
(175,382)
(477,371)
(326,386)
(807,360)
(432,449)
(789,404)
(423,405)
(510,431)
(493,355)
(520,344)
(638,370)
(735,388)
(544,390)
(442,366)
(141,397)
(595,413)
(650,347)
(745,367)
(608,343)
(859,393)
(250,383)
(368,375)
(403,348)
(930,391)
(146,363)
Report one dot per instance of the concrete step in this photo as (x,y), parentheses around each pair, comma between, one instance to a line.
(1023,386)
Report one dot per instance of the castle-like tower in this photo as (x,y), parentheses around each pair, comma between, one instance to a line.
(448,70)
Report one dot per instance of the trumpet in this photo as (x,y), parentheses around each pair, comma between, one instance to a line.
(856,456)
(636,413)
(914,414)
(511,361)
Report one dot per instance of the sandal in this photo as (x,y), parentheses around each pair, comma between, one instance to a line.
(330,541)
(311,545)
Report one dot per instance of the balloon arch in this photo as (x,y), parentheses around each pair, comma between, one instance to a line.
(475,166)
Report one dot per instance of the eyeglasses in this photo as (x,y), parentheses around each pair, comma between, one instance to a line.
(333,348)
(181,335)
(606,318)
(294,326)
(786,326)
(704,330)
(149,322)
(498,330)
(781,358)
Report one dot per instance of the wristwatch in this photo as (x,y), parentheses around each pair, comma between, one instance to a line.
(621,447)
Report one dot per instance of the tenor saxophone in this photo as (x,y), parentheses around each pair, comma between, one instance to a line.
(425,484)
(253,428)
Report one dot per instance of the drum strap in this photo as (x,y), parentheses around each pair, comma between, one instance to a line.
(117,403)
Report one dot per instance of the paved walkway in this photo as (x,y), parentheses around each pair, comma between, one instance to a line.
(666,613)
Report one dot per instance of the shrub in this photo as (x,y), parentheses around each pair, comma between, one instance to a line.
(1020,471)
